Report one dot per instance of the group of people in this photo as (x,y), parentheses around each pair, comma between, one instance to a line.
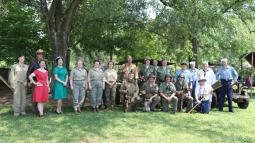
(151,86)
(187,88)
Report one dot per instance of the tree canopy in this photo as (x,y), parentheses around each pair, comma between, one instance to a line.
(112,29)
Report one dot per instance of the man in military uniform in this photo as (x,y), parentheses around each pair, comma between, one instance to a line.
(149,91)
(129,90)
(127,68)
(17,78)
(155,67)
(162,72)
(167,92)
(183,93)
(228,76)
(32,67)
(145,71)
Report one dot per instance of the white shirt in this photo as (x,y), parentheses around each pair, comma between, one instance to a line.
(209,76)
(202,90)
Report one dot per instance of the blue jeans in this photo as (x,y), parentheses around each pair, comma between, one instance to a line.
(225,89)
(205,106)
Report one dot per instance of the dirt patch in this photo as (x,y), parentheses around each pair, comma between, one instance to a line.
(5,96)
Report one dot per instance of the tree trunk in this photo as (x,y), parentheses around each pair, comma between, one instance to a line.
(58,21)
(195,49)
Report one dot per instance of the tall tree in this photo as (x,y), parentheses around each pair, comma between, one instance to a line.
(59,16)
(196,17)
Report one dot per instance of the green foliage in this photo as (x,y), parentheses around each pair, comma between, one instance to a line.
(117,28)
(222,28)
(21,32)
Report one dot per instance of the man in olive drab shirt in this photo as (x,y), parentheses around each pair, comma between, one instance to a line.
(183,93)
(129,89)
(145,71)
(162,72)
(149,91)
(167,92)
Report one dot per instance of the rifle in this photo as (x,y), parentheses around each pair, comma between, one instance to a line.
(203,97)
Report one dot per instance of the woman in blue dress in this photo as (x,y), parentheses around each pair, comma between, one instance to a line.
(60,84)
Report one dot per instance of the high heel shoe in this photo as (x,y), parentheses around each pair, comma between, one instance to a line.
(57,112)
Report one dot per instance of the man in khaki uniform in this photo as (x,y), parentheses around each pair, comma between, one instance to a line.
(17,79)
(128,68)
(129,89)
(149,91)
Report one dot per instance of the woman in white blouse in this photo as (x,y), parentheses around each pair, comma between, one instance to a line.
(110,78)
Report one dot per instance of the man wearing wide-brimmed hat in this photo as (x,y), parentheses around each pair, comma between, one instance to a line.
(203,95)
(32,67)
(185,72)
(149,91)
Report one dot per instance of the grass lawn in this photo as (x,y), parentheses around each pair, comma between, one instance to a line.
(140,127)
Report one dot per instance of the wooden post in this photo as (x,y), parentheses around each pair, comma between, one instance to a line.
(252,67)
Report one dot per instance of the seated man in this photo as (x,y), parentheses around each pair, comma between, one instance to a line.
(129,89)
(149,91)
(203,94)
(183,93)
(167,92)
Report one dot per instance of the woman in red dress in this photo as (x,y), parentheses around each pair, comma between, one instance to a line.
(41,90)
